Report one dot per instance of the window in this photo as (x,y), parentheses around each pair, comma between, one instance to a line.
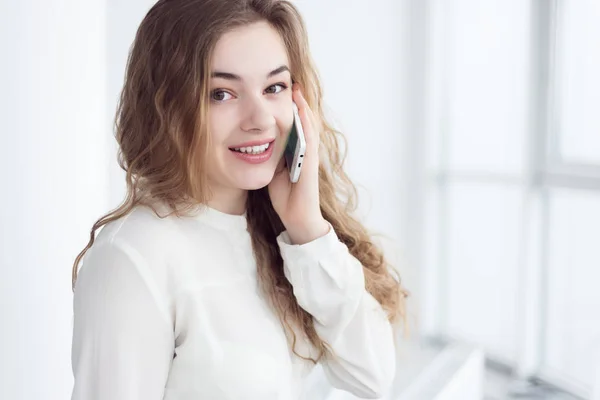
(513,133)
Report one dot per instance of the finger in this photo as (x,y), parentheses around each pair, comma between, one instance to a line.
(306,117)
(300,101)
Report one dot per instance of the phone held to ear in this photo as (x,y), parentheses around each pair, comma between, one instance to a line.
(295,147)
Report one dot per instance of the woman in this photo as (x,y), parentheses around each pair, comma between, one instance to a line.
(217,278)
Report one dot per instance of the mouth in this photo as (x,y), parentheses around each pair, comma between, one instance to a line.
(254,154)
(256,149)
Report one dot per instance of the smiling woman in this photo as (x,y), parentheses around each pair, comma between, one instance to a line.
(217,278)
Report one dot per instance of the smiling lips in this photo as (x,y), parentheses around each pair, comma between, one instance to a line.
(254,152)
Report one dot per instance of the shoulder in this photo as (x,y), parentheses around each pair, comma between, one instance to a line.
(148,252)
(153,232)
(168,249)
(142,229)
(142,241)
(139,232)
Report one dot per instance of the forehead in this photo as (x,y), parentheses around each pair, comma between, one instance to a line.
(250,51)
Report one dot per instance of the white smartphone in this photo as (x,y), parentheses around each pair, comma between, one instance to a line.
(295,147)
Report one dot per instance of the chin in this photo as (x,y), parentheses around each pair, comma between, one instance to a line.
(255,182)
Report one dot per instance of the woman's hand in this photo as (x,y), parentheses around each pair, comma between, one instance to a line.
(297,204)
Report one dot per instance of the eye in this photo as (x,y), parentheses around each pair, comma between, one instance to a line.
(273,88)
(219,95)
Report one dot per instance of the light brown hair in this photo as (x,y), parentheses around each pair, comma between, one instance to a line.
(162,131)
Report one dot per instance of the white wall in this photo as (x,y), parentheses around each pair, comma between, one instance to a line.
(54,177)
(62,68)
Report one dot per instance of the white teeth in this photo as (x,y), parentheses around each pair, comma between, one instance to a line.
(253,149)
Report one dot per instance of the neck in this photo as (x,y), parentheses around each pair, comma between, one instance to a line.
(229,201)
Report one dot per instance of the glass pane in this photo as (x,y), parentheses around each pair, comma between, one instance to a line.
(573,300)
(483,255)
(487,71)
(578,81)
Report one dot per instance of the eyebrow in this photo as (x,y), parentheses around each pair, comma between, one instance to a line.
(234,77)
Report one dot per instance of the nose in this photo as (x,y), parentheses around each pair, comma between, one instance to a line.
(257,115)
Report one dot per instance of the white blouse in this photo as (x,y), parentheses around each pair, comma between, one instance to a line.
(169,308)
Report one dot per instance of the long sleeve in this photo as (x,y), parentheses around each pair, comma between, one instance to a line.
(122,342)
(329,283)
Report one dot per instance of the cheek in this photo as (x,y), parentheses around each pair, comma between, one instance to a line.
(284,114)
(219,126)
(284,122)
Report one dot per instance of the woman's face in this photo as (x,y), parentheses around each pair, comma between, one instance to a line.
(250,108)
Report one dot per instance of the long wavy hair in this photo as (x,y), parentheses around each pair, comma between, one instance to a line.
(161,128)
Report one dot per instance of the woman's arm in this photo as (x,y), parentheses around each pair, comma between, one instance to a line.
(329,283)
(122,341)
